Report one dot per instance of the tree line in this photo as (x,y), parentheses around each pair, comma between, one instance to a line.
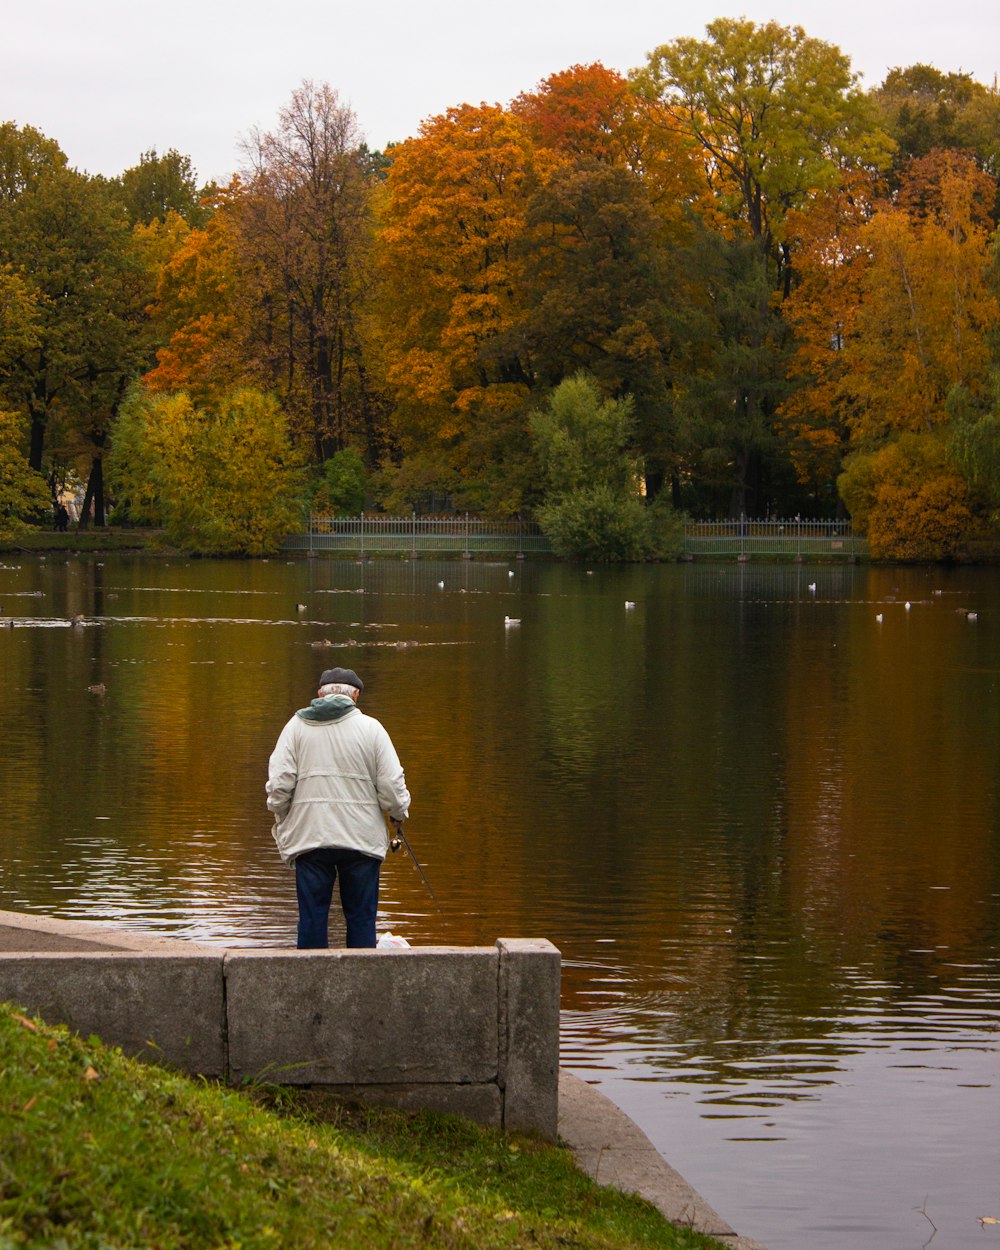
(731,282)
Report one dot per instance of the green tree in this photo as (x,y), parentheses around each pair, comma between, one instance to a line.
(25,154)
(159,185)
(67,238)
(19,320)
(223,479)
(775,112)
(610,208)
(342,484)
(585,446)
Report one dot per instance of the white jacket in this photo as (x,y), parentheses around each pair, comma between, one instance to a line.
(330,782)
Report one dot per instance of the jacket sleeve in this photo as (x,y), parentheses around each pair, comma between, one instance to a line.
(390,783)
(282,773)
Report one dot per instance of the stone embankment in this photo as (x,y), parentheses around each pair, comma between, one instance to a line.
(469,1030)
(473,1031)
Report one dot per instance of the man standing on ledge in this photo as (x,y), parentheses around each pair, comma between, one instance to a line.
(332,775)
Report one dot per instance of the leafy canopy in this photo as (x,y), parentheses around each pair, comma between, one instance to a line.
(223,479)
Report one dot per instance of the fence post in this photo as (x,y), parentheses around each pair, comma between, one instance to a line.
(361,553)
(310,531)
(467,554)
(413,548)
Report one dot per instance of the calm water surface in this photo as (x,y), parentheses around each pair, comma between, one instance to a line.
(762,827)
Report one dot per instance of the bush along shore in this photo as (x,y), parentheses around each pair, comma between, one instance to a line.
(100,1151)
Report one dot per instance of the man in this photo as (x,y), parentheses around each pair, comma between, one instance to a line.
(332,775)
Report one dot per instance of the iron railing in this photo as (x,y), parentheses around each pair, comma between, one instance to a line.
(376,534)
(794,536)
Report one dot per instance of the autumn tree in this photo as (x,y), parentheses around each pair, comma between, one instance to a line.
(201,312)
(924,109)
(222,478)
(303,236)
(610,206)
(831,262)
(925,306)
(450,293)
(909,499)
(919,364)
(776,115)
(24,494)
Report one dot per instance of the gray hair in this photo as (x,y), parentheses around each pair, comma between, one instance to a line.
(337,687)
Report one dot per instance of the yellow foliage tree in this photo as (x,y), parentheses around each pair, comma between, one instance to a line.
(926,306)
(23,492)
(222,478)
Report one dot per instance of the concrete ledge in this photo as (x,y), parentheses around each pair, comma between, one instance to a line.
(24,933)
(155,1005)
(419,1016)
(468,1030)
(529,1035)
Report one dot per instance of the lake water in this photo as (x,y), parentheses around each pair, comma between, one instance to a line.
(762,826)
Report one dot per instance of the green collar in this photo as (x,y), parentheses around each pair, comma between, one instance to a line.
(333,707)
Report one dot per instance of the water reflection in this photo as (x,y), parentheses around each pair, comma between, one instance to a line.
(761,826)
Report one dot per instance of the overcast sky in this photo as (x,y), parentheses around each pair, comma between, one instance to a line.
(110,79)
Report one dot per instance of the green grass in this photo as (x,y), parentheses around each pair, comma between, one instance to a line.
(105,539)
(100,1152)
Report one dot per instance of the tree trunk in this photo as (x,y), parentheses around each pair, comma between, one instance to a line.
(94,495)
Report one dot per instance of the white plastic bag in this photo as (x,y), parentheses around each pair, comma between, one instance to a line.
(391,941)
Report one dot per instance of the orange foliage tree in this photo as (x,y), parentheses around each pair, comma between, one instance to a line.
(450,291)
(822,312)
(199,311)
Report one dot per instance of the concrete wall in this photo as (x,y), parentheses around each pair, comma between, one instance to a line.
(469,1030)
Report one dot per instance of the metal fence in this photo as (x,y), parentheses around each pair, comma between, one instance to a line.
(794,537)
(375,534)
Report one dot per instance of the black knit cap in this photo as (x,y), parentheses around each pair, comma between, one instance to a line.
(342,677)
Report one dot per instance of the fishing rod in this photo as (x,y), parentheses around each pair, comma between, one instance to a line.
(398,840)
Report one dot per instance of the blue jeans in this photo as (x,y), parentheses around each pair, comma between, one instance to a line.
(315,874)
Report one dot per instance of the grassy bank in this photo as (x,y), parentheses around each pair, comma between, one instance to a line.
(106,539)
(99,1151)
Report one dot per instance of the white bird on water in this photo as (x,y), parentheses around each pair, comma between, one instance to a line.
(629,604)
(879,618)
(812,587)
(510,621)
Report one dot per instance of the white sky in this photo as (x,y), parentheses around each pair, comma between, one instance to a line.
(110,79)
